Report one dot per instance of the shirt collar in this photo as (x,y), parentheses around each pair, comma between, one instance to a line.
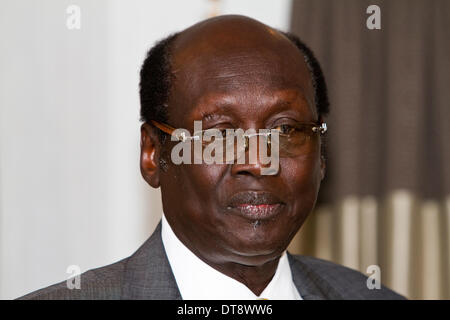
(198,280)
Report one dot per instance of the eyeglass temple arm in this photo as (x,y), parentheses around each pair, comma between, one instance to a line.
(163,127)
(321,129)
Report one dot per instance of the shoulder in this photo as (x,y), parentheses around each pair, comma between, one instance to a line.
(339,281)
(144,274)
(100,283)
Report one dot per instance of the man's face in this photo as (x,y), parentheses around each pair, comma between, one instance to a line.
(256,80)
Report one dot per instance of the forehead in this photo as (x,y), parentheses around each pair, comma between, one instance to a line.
(255,66)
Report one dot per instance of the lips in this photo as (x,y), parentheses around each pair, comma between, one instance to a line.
(256,205)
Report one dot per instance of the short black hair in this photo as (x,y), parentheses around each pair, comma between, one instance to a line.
(156,79)
(317,77)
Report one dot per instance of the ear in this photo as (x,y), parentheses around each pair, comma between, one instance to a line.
(323,167)
(150,153)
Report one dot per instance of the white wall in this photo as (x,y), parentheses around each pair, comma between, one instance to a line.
(70,186)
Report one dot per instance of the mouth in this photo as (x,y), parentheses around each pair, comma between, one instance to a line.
(256,205)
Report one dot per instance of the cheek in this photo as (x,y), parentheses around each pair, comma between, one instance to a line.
(193,185)
(188,194)
(204,178)
(302,177)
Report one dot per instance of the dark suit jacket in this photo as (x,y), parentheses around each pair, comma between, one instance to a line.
(147,275)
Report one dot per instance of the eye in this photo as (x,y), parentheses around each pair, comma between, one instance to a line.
(223,132)
(222,127)
(211,133)
(285,129)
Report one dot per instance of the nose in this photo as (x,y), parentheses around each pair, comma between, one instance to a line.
(248,167)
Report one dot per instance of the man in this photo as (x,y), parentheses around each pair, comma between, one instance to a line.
(226,226)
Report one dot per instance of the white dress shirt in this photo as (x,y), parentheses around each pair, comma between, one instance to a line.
(197,280)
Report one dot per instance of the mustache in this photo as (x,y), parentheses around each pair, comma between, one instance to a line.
(253,198)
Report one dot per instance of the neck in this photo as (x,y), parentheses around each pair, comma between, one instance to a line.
(256,278)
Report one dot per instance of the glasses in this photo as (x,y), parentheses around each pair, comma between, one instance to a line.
(290,140)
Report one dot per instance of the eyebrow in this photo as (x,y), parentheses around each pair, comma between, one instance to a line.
(225,105)
(207,116)
(227,110)
(216,110)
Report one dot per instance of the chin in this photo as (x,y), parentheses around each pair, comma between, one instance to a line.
(256,251)
(254,244)
(255,258)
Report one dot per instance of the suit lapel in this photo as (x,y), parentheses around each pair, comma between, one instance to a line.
(309,284)
(148,274)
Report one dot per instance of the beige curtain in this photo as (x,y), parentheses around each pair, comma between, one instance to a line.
(386,197)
